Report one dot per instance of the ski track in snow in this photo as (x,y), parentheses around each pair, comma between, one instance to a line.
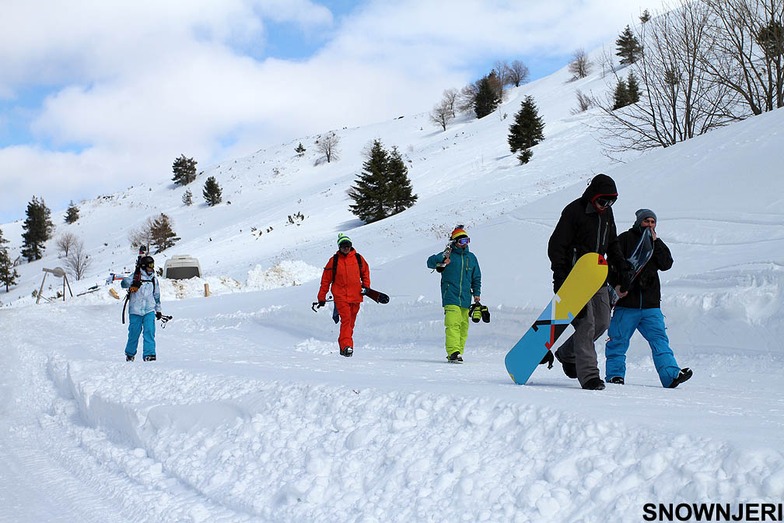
(238,444)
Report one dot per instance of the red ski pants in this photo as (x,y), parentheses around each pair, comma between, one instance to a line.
(348,316)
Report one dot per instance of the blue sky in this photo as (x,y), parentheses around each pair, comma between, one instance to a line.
(95,97)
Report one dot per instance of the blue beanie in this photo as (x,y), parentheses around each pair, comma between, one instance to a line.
(643,214)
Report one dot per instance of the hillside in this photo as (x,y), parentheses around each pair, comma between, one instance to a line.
(251,415)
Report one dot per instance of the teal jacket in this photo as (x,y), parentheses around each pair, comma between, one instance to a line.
(461,280)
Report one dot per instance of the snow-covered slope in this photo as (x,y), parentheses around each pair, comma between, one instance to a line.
(250,414)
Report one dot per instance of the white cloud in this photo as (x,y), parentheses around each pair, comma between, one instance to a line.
(139,83)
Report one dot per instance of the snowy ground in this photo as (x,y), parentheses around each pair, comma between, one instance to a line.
(250,414)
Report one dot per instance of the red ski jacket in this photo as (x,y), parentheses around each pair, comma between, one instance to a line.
(346,279)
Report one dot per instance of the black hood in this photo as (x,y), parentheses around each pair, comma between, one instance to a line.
(601,184)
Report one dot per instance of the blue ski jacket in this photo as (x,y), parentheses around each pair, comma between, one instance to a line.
(461,280)
(148,298)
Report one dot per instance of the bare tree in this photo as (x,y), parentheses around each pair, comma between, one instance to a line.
(580,66)
(584,102)
(65,241)
(442,114)
(679,99)
(449,98)
(517,73)
(749,53)
(466,97)
(77,261)
(328,146)
(143,235)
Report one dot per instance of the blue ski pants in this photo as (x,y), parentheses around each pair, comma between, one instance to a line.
(137,324)
(650,323)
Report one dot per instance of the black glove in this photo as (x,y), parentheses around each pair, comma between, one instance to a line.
(321,303)
(158,315)
(548,360)
(626,275)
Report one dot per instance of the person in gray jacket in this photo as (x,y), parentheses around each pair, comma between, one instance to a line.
(144,307)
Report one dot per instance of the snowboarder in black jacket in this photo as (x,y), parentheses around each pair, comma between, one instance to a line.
(587,225)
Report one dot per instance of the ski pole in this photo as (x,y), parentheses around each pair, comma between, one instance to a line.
(316,305)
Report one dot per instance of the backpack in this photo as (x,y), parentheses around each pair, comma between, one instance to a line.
(335,266)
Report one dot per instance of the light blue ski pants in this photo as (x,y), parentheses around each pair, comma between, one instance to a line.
(137,323)
(650,323)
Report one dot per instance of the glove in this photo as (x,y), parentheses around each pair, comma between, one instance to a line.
(135,286)
(485,314)
(475,312)
(158,315)
(627,273)
(321,303)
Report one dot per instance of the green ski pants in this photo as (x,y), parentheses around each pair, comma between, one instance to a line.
(456,328)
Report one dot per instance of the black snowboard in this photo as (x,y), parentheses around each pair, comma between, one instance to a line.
(376,296)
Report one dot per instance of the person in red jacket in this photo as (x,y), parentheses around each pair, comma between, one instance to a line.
(348,274)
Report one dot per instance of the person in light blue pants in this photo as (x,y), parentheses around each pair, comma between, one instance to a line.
(144,307)
(640,309)
(650,323)
(138,324)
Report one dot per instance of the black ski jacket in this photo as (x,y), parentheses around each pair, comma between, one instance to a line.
(582,229)
(645,290)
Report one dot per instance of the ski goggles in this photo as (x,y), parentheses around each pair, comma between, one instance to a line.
(605,202)
(344,245)
(463,241)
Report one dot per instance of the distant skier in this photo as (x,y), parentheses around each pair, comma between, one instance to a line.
(640,309)
(461,279)
(144,307)
(586,225)
(345,274)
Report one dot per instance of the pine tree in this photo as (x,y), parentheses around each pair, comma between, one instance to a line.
(368,192)
(621,95)
(633,88)
(8,274)
(187,197)
(487,98)
(300,150)
(72,213)
(383,188)
(162,234)
(526,131)
(184,170)
(400,194)
(212,192)
(628,47)
(38,228)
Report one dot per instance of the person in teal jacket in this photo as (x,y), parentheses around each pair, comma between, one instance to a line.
(461,283)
